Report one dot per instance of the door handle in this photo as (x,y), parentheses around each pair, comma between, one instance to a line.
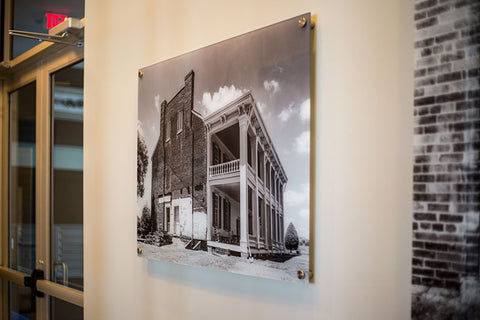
(65,271)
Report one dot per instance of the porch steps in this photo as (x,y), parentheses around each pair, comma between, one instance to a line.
(196,245)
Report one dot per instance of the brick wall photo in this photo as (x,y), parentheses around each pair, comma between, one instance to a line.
(446,190)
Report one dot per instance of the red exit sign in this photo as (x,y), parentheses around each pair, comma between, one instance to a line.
(53,19)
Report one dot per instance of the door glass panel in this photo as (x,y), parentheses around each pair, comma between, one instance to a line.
(22,303)
(63,310)
(2,25)
(22,179)
(35,16)
(67,177)
(22,147)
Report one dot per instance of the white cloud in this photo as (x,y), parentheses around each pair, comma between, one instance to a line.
(287,113)
(305,110)
(295,198)
(271,85)
(218,99)
(262,107)
(302,142)
(302,110)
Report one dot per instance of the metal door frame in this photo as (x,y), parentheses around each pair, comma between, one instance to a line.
(39,68)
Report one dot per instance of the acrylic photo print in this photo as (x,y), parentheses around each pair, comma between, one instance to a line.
(223,155)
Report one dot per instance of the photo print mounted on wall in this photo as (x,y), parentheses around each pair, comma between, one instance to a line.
(223,156)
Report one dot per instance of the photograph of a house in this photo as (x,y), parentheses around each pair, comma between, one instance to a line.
(212,185)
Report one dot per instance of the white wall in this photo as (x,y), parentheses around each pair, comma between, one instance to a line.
(364,89)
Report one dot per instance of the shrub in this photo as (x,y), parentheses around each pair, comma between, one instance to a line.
(144,226)
(291,238)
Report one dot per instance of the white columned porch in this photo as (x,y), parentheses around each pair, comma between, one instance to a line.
(272,206)
(209,189)
(274,201)
(264,178)
(256,203)
(243,128)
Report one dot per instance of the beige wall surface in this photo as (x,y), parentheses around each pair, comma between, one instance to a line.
(363,141)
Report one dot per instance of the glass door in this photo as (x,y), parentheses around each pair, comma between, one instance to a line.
(42,170)
(66,224)
(21,172)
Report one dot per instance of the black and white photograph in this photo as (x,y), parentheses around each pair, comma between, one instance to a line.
(223,155)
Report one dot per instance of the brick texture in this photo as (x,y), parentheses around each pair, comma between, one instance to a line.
(446,190)
(179,165)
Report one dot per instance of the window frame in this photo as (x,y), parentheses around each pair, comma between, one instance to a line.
(215,210)
(226,214)
(168,129)
(179,121)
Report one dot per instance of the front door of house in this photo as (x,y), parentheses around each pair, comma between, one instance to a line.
(167,216)
(176,221)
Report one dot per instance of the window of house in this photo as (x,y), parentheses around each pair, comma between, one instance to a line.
(281,195)
(249,150)
(226,215)
(250,217)
(216,209)
(272,180)
(268,220)
(267,175)
(261,218)
(237,227)
(260,163)
(176,214)
(274,216)
(277,190)
(179,121)
(168,129)
(167,215)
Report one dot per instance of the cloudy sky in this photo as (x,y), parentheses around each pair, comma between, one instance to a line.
(273,63)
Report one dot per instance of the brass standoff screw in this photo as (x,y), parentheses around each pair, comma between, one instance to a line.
(301,274)
(139,250)
(302,22)
(140,74)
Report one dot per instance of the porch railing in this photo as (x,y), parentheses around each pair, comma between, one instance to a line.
(224,168)
(252,240)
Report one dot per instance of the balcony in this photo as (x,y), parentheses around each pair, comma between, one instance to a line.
(224,168)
